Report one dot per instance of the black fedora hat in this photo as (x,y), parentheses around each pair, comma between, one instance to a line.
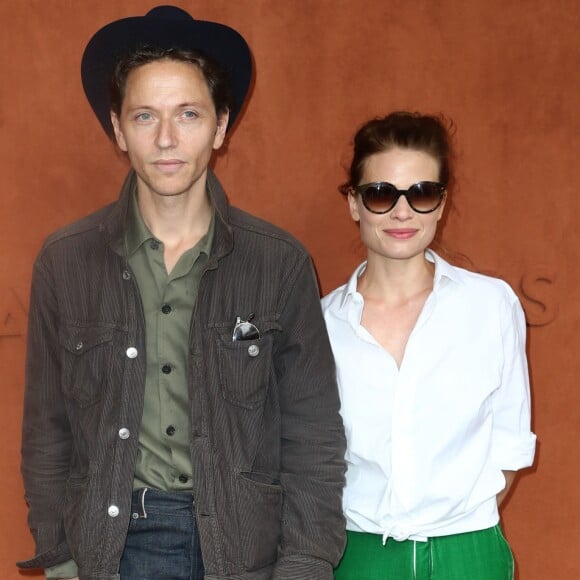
(163,27)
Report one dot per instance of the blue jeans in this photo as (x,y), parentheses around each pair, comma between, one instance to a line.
(163,540)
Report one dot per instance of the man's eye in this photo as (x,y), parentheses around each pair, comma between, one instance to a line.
(190,114)
(144,117)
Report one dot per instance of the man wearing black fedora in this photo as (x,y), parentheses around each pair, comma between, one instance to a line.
(181,414)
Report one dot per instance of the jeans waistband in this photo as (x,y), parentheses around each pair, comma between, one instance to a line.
(145,499)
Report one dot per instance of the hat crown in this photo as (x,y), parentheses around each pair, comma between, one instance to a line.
(168,13)
(164,27)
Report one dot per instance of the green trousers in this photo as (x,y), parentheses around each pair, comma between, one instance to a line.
(481,555)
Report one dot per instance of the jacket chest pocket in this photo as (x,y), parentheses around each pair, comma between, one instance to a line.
(86,362)
(244,369)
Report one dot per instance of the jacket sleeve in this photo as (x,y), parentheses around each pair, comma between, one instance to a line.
(46,437)
(312,438)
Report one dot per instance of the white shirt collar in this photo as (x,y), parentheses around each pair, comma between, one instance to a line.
(443,270)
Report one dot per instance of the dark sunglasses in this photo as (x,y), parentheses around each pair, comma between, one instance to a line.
(381,196)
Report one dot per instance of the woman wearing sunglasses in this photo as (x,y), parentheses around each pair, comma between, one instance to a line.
(432,374)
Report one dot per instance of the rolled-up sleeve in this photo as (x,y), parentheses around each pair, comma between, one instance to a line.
(513,442)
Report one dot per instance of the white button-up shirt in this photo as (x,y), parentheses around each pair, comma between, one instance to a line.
(427,442)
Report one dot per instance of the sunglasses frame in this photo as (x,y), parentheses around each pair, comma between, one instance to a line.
(245,330)
(362,189)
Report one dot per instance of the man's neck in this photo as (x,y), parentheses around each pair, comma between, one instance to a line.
(179,221)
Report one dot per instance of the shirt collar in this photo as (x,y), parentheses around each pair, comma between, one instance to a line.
(350,290)
(443,271)
(137,232)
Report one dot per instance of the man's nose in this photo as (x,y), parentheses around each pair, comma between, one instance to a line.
(166,134)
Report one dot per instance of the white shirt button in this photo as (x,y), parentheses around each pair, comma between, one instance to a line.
(253,350)
(113,511)
(132,352)
(124,433)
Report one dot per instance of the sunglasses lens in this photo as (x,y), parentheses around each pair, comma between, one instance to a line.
(425,196)
(379,198)
(245,331)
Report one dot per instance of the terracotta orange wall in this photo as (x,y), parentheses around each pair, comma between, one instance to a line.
(506,72)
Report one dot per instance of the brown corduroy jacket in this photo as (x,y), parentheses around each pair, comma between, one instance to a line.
(267,441)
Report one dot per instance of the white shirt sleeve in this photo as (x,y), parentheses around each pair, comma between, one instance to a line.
(513,444)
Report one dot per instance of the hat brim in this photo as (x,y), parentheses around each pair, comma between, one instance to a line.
(163,27)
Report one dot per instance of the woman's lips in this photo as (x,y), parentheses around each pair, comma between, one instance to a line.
(402,233)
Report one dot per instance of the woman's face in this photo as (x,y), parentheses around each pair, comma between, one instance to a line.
(401,233)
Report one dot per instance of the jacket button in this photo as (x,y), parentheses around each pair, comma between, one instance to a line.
(170,430)
(253,350)
(124,433)
(79,346)
(126,275)
(132,352)
(183,478)
(113,511)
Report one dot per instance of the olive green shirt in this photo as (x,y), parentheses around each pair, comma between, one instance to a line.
(164,460)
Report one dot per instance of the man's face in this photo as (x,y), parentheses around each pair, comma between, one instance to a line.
(169,128)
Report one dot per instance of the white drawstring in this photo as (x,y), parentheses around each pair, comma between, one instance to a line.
(145,489)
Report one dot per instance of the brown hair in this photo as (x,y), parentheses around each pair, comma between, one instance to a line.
(406,130)
(216,78)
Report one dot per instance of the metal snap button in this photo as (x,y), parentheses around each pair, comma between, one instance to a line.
(132,352)
(253,350)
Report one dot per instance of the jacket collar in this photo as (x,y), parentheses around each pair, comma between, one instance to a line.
(113,224)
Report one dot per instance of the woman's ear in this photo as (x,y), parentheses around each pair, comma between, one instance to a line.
(442,206)
(353,205)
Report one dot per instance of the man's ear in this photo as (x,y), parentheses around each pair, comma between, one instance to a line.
(119,137)
(220,133)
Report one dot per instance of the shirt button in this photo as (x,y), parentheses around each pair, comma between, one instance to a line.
(154,245)
(79,346)
(253,350)
(126,275)
(124,433)
(166,369)
(132,352)
(183,478)
(113,511)
(166,309)
(170,430)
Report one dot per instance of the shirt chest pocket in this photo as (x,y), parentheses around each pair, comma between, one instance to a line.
(245,367)
(86,362)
